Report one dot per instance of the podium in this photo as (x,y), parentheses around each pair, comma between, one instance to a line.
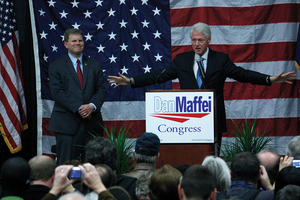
(185,122)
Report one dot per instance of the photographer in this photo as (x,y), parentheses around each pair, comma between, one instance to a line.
(90,178)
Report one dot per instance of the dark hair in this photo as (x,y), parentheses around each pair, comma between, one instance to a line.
(73,31)
(288,175)
(107,175)
(119,193)
(245,166)
(182,168)
(289,192)
(42,168)
(102,151)
(198,182)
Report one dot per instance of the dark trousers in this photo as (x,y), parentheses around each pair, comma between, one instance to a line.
(71,147)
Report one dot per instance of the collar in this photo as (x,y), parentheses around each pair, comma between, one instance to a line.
(74,60)
(241,184)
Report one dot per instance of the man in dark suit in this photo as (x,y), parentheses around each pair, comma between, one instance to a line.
(216,66)
(78,88)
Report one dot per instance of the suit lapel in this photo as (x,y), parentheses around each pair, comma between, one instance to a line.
(190,68)
(211,60)
(85,69)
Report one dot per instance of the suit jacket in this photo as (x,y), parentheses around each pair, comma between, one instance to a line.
(219,67)
(68,95)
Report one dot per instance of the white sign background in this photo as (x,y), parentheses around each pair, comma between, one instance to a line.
(194,130)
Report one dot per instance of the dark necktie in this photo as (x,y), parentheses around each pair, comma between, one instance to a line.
(199,80)
(79,74)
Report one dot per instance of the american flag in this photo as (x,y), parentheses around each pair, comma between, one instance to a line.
(12,100)
(138,36)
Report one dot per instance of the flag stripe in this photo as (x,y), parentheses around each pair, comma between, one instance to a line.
(232,15)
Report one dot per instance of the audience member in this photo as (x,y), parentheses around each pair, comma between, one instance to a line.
(101,150)
(270,159)
(293,148)
(220,170)
(90,177)
(182,168)
(288,175)
(163,184)
(15,175)
(289,192)
(119,193)
(197,183)
(145,155)
(72,196)
(42,177)
(245,174)
(142,185)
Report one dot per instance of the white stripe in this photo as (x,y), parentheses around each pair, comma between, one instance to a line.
(9,125)
(48,142)
(178,4)
(47,108)
(228,35)
(262,108)
(279,143)
(38,80)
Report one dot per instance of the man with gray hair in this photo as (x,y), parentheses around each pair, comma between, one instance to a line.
(203,68)
(293,148)
(145,154)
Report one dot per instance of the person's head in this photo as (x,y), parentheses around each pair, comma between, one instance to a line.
(270,159)
(119,193)
(197,183)
(72,196)
(107,175)
(200,34)
(220,171)
(147,148)
(182,168)
(245,166)
(101,150)
(163,184)
(293,148)
(42,168)
(289,192)
(286,176)
(15,175)
(142,185)
(73,41)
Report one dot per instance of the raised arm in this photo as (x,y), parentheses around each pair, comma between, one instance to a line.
(279,78)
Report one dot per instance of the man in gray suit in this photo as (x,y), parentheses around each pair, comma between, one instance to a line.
(78,88)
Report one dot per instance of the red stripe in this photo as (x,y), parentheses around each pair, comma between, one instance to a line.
(275,126)
(9,57)
(136,127)
(45,125)
(245,52)
(236,15)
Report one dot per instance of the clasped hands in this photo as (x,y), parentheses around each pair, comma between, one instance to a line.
(86,110)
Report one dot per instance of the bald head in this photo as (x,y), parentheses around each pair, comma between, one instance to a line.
(270,160)
(42,168)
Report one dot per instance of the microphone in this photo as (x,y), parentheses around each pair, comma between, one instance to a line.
(201,71)
(159,76)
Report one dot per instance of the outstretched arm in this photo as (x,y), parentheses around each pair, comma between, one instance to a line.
(120,80)
(279,78)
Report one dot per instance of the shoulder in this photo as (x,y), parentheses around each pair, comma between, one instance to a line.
(265,194)
(60,60)
(218,54)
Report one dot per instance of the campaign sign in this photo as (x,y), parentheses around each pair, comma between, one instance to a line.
(181,116)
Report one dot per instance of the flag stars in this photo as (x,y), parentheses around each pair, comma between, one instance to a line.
(145,23)
(123,23)
(63,14)
(87,14)
(134,34)
(147,69)
(158,57)
(156,34)
(99,25)
(42,13)
(135,58)
(45,58)
(156,11)
(54,48)
(51,3)
(43,35)
(124,70)
(88,37)
(133,11)
(144,2)
(112,59)
(74,4)
(112,36)
(123,47)
(101,48)
(98,3)
(146,46)
(52,26)
(122,2)
(76,25)
(111,12)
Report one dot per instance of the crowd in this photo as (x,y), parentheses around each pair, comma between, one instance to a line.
(266,175)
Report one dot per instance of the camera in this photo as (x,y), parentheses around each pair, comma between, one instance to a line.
(75,173)
(296,163)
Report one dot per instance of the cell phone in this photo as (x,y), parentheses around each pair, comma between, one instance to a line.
(75,173)
(296,163)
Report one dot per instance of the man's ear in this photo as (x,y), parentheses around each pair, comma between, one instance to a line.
(157,157)
(180,192)
(213,194)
